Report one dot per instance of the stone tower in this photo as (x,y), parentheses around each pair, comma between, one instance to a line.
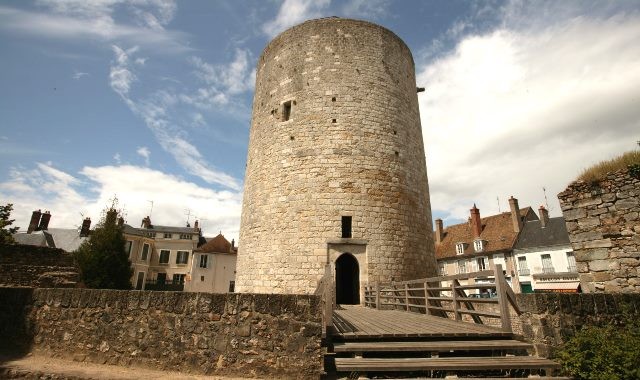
(336,170)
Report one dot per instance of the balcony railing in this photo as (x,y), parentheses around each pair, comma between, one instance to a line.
(524,272)
(166,285)
(572,268)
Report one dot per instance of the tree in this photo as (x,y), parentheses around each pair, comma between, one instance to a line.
(6,232)
(102,258)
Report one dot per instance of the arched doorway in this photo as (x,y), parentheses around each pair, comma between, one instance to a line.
(347,280)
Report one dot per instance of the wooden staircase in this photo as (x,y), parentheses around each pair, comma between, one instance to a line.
(480,357)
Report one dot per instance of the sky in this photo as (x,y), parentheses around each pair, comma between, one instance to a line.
(149,101)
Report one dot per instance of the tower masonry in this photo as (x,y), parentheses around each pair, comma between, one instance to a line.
(336,171)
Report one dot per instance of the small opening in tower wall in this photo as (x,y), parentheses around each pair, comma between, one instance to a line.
(333,99)
(286,110)
(333,121)
(346,226)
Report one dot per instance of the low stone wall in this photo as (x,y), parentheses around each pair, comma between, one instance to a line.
(224,334)
(38,267)
(549,319)
(603,221)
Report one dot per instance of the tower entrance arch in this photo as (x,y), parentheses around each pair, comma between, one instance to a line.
(347,280)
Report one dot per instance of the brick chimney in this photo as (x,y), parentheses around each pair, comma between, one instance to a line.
(439,231)
(233,244)
(544,216)
(146,222)
(86,225)
(515,214)
(476,224)
(35,219)
(196,224)
(44,221)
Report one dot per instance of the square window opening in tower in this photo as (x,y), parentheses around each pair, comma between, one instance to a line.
(346,226)
(286,110)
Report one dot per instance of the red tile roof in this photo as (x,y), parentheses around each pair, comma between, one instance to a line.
(218,244)
(497,232)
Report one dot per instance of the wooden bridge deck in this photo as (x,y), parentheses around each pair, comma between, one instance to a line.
(357,322)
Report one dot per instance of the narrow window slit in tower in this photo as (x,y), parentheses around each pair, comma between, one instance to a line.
(397,153)
(346,226)
(333,99)
(286,110)
(291,138)
(333,120)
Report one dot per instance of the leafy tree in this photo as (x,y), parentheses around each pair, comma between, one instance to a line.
(609,352)
(102,258)
(6,232)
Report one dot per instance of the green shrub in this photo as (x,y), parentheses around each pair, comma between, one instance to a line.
(610,352)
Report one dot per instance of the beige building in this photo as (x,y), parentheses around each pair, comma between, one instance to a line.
(160,255)
(336,171)
(213,267)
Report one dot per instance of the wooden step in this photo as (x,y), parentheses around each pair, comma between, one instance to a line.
(435,346)
(453,364)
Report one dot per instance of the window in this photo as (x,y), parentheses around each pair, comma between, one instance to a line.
(150,234)
(523,268)
(442,269)
(547,264)
(232,286)
(286,110)
(167,236)
(462,266)
(185,236)
(145,252)
(482,263)
(164,256)
(182,257)
(127,247)
(571,260)
(203,261)
(178,278)
(478,245)
(346,226)
(460,248)
(201,278)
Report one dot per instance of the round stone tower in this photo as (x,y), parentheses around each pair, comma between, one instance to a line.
(336,171)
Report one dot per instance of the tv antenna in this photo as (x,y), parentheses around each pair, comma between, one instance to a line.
(546,201)
(150,211)
(498,200)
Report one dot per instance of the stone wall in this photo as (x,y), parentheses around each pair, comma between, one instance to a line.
(38,267)
(603,221)
(549,319)
(352,146)
(223,334)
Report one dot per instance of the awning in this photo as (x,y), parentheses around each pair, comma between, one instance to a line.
(560,287)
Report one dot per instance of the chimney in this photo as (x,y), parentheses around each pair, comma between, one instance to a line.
(439,231)
(476,224)
(544,216)
(35,219)
(44,221)
(515,214)
(86,225)
(146,222)
(233,244)
(195,224)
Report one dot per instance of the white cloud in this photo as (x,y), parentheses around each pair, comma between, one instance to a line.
(145,153)
(512,110)
(47,188)
(119,74)
(235,78)
(78,75)
(293,12)
(79,20)
(117,158)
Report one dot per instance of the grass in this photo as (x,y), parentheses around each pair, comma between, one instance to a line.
(599,171)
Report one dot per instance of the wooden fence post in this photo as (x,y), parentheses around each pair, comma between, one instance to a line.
(426,299)
(454,298)
(377,295)
(406,296)
(501,291)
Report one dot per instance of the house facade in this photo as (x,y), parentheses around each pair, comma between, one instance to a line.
(482,243)
(213,267)
(544,258)
(160,255)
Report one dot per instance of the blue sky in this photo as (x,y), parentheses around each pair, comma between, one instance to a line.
(150,100)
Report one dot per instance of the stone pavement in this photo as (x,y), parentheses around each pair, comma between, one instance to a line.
(41,367)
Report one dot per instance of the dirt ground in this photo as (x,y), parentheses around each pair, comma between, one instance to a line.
(46,367)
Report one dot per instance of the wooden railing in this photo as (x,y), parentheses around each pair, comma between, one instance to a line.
(446,297)
(326,289)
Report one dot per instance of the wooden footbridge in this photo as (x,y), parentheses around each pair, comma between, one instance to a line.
(434,328)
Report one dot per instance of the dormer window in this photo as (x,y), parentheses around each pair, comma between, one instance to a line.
(478,245)
(460,248)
